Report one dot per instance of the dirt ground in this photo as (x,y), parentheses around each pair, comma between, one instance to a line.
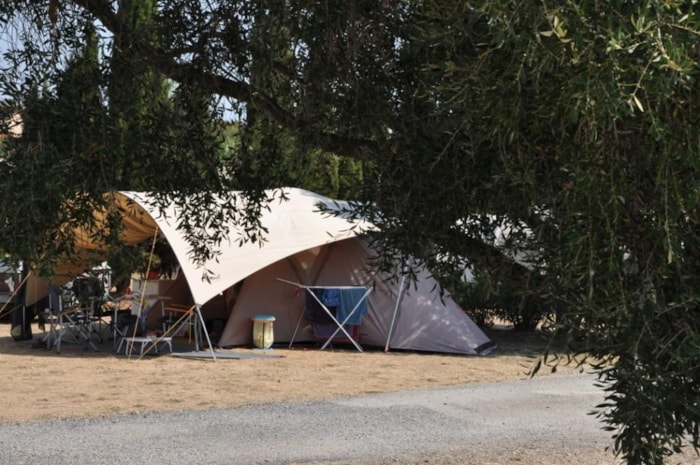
(40,384)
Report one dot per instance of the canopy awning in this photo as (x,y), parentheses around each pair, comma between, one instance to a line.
(293,225)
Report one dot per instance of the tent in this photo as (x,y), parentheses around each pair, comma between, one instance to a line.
(401,315)
(302,244)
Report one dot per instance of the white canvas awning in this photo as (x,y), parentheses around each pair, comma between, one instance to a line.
(292,225)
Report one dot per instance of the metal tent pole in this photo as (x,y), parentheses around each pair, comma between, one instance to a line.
(206,333)
(399,299)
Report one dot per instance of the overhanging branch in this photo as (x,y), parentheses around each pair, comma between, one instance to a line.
(239,90)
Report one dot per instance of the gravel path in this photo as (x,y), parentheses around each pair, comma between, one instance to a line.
(538,421)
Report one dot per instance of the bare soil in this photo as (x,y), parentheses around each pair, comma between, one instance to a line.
(37,383)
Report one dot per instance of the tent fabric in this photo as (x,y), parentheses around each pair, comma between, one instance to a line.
(137,226)
(292,225)
(37,287)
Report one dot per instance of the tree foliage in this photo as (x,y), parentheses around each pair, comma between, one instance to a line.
(574,123)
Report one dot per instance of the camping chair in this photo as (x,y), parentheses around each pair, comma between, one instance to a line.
(74,322)
(90,296)
(130,327)
(122,324)
(68,322)
(122,318)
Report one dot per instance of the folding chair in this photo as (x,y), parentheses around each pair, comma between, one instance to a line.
(130,328)
(67,321)
(127,325)
(89,294)
(123,323)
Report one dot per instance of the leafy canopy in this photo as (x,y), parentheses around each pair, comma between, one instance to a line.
(573,122)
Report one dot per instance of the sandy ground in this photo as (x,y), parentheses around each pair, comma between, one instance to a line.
(39,384)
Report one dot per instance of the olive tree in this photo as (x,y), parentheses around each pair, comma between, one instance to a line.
(570,127)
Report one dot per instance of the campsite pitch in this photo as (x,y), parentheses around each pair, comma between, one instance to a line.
(40,384)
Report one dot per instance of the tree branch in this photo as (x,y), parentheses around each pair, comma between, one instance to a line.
(214,83)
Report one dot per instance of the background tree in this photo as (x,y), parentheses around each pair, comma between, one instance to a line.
(586,111)
(573,123)
(139,104)
(270,155)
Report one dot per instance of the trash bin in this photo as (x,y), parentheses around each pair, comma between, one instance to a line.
(263,334)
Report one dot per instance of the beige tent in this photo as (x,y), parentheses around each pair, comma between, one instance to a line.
(400,316)
(306,246)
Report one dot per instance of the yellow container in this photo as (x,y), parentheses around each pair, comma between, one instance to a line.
(263,333)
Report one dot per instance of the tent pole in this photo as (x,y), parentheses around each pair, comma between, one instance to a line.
(399,298)
(142,295)
(206,333)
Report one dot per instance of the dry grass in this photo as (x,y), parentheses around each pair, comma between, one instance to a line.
(39,384)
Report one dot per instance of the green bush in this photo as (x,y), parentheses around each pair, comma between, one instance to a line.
(473,297)
(524,312)
(484,300)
